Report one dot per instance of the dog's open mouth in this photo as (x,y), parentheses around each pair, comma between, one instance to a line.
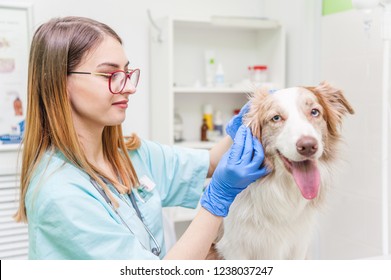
(306,175)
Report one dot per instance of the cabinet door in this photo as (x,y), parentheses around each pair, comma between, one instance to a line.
(161,94)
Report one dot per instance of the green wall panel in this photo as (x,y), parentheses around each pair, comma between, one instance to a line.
(335,6)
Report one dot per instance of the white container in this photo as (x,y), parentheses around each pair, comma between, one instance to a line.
(219,77)
(218,123)
(210,68)
(258,74)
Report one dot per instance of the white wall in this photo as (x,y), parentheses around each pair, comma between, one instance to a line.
(352,61)
(335,48)
(301,18)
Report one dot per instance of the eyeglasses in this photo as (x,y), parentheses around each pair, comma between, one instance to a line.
(117,79)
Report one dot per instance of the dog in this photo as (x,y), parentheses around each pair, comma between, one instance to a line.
(274,217)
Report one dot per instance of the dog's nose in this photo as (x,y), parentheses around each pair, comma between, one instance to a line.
(307,146)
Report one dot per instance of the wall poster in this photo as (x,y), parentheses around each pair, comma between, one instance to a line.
(15,26)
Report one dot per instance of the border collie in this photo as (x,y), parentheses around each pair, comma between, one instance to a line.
(274,217)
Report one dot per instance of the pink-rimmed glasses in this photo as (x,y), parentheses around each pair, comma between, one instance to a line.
(117,79)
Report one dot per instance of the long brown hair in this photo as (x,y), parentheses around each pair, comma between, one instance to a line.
(57,48)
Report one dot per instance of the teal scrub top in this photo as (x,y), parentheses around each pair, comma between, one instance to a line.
(69,219)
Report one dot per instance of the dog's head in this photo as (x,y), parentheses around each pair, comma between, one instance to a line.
(298,127)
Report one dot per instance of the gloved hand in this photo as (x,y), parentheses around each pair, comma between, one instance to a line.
(239,167)
(236,121)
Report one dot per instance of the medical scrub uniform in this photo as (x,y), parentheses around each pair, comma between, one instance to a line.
(69,219)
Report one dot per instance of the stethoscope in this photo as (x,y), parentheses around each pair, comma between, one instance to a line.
(156,250)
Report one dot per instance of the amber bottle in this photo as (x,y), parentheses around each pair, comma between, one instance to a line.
(204,130)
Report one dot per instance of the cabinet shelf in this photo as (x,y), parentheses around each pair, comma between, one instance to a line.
(245,22)
(10,147)
(211,90)
(228,22)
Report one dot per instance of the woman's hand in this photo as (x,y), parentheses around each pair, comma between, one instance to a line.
(236,121)
(240,166)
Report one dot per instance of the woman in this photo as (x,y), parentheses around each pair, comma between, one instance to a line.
(87,194)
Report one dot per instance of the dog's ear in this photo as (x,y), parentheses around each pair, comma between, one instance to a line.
(252,118)
(255,118)
(334,103)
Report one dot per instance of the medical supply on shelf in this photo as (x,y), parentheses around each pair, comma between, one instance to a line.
(208,115)
(210,68)
(258,74)
(218,124)
(219,77)
(178,127)
(204,130)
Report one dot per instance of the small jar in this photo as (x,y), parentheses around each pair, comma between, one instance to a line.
(258,74)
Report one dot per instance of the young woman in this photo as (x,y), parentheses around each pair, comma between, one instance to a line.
(87,194)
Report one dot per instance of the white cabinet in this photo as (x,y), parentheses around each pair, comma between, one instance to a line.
(13,236)
(177,75)
(177,65)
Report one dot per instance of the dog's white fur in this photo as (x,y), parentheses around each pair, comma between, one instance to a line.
(271,219)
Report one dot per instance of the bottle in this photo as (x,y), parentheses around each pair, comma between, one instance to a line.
(210,68)
(219,77)
(218,124)
(178,127)
(204,130)
(208,115)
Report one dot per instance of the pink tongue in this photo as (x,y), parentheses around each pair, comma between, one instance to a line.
(307,177)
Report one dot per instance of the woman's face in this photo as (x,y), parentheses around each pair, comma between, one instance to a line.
(93,105)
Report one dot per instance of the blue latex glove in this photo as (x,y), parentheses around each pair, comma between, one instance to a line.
(236,121)
(239,167)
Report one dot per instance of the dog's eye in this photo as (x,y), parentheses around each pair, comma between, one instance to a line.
(315,112)
(276,118)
